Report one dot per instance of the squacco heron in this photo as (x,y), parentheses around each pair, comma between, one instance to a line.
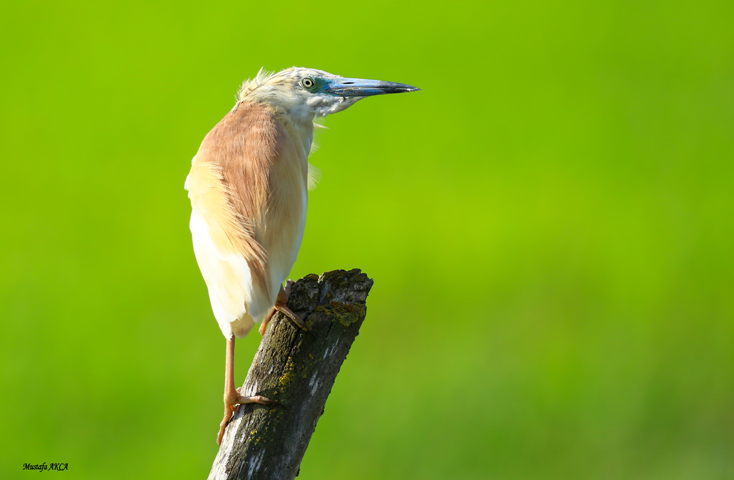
(248,187)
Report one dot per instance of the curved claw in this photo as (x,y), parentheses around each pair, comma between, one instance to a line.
(266,401)
(225,422)
(243,399)
(288,286)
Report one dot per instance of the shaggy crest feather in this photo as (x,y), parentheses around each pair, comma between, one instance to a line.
(249,85)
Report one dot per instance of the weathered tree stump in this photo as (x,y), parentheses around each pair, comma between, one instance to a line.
(297,369)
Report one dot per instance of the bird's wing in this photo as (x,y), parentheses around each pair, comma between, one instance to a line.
(228,190)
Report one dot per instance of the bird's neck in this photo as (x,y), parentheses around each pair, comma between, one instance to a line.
(299,130)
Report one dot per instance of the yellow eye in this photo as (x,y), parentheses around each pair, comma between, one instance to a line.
(307,82)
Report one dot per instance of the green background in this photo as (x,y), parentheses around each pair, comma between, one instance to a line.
(548,223)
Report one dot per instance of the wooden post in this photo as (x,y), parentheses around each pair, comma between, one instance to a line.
(297,369)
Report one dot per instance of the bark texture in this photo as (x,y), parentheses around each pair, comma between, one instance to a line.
(297,369)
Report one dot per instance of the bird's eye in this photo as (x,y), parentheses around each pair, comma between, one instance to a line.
(307,82)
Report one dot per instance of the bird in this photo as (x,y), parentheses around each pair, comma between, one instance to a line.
(248,187)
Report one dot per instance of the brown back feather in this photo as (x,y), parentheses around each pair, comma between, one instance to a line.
(229,182)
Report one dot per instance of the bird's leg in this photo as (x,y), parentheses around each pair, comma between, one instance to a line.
(280,305)
(232,396)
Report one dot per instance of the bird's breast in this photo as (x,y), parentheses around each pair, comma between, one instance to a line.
(281,231)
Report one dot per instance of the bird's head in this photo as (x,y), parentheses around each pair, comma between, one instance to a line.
(305,93)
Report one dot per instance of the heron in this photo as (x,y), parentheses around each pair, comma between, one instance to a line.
(248,187)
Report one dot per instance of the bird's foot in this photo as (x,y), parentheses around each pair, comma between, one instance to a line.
(280,305)
(290,314)
(231,400)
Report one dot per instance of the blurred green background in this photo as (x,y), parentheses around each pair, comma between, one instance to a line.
(548,223)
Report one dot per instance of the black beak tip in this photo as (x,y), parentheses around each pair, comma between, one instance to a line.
(403,87)
(392,87)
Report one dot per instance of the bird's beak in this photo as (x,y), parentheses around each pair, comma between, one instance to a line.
(359,87)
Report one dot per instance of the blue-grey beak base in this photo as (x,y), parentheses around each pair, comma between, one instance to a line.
(358,87)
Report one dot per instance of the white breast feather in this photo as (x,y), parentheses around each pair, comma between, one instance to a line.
(227,278)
